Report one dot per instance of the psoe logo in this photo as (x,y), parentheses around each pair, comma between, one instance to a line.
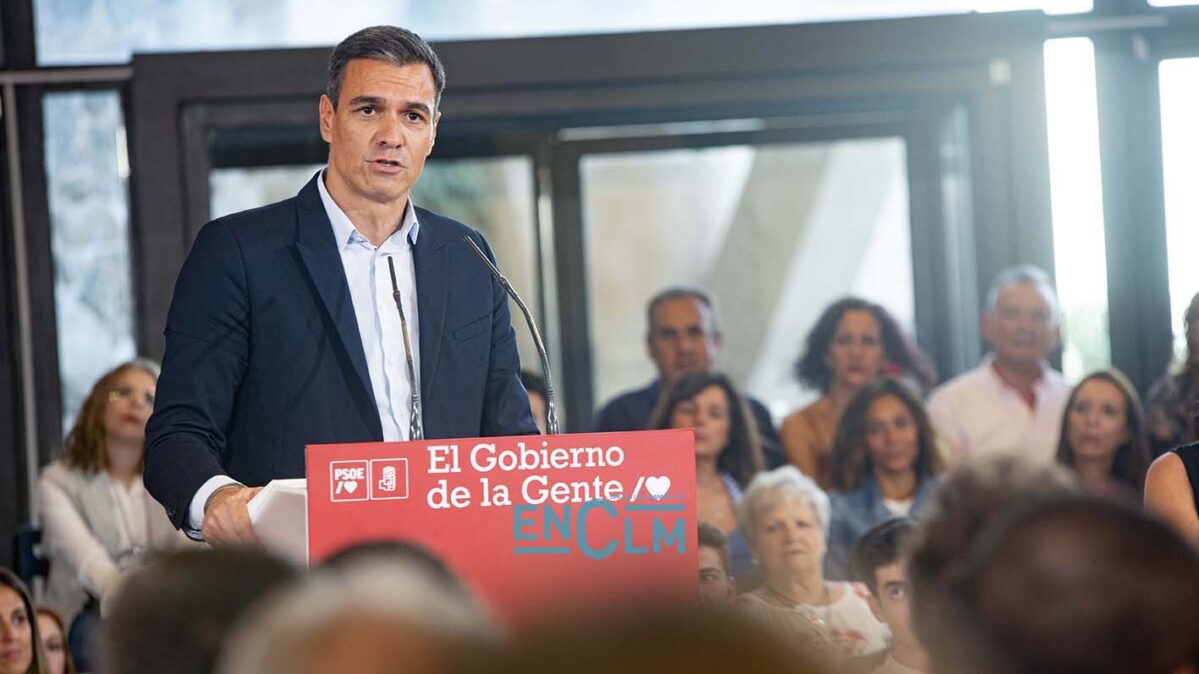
(389,479)
(348,481)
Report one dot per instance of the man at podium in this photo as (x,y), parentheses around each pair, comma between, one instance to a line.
(343,314)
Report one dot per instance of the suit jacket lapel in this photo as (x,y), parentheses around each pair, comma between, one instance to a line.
(319,254)
(431,257)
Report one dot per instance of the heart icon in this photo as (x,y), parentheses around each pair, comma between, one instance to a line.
(657,486)
(350,486)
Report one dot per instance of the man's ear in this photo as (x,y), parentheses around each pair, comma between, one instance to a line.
(327,113)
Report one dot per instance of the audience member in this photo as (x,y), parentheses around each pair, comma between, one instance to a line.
(535,386)
(20,636)
(173,615)
(727,450)
(1013,401)
(54,642)
(1078,585)
(683,336)
(1103,436)
(968,497)
(785,515)
(1172,489)
(371,616)
(880,561)
(1173,401)
(852,343)
(885,463)
(716,582)
(670,640)
(98,520)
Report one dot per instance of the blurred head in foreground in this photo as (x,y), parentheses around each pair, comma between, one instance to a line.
(967,499)
(1078,585)
(367,616)
(173,615)
(694,640)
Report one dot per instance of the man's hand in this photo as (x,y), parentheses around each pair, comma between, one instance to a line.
(227,519)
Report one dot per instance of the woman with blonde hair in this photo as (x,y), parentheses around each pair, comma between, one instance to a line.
(98,520)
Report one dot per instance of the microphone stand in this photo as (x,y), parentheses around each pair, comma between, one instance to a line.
(416,426)
(551,421)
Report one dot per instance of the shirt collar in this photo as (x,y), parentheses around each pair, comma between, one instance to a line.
(346,233)
(1048,374)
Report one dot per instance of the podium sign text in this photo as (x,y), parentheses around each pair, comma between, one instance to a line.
(535,526)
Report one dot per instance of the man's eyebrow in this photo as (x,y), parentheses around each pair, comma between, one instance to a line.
(379,100)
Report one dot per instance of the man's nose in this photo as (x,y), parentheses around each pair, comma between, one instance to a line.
(390,131)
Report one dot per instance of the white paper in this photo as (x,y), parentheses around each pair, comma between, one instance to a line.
(279,514)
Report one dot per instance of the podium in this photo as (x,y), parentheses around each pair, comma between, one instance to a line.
(535,526)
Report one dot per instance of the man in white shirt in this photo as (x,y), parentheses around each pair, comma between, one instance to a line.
(317,319)
(1013,401)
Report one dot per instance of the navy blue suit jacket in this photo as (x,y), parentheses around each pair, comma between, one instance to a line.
(263,354)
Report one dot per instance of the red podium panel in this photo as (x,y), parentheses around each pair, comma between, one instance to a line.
(536,526)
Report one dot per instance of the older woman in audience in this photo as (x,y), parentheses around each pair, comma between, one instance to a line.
(854,341)
(1103,435)
(1173,401)
(20,637)
(97,518)
(885,462)
(785,514)
(54,642)
(728,451)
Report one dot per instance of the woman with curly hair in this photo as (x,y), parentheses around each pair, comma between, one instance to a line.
(853,343)
(885,462)
(98,520)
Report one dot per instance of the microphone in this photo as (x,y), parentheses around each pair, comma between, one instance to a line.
(551,415)
(416,427)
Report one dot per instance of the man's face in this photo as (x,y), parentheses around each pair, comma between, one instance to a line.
(682,337)
(380,133)
(715,583)
(892,604)
(1022,329)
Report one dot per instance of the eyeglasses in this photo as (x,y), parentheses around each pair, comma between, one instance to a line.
(126,393)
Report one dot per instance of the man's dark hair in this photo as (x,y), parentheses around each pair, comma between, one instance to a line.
(173,615)
(679,293)
(710,536)
(390,44)
(1078,585)
(882,545)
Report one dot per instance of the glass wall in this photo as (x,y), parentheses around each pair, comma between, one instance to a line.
(87,172)
(1076,189)
(774,232)
(1180,157)
(109,31)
